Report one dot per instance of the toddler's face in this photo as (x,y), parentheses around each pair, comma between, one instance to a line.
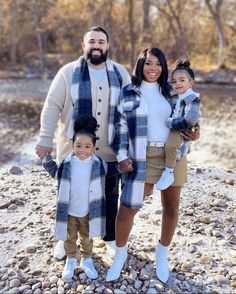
(83,147)
(181,81)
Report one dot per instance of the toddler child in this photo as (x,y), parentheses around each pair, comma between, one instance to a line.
(81,197)
(185,116)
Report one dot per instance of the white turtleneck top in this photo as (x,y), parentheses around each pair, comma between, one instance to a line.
(80,184)
(159,110)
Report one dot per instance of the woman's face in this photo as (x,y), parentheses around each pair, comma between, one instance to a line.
(152,69)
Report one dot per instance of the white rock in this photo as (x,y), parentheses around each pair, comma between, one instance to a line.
(60,290)
(221,279)
(137,284)
(53,280)
(15,283)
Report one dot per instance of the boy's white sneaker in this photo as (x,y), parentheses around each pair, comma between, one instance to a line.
(87,265)
(69,268)
(166,179)
(59,250)
(111,248)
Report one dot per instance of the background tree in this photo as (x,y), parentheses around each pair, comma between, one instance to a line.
(41,32)
(216,14)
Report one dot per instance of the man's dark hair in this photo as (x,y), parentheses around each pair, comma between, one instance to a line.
(98,29)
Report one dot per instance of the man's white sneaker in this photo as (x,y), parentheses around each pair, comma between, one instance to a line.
(166,179)
(69,268)
(87,265)
(59,250)
(117,265)
(111,248)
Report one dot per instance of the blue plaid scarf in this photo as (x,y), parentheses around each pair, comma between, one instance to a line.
(82,95)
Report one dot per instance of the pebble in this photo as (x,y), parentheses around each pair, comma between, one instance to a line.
(12,207)
(204,219)
(219,202)
(137,284)
(31,249)
(53,280)
(230,181)
(221,279)
(15,170)
(205,259)
(14,283)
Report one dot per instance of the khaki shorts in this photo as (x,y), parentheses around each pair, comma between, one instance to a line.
(155,165)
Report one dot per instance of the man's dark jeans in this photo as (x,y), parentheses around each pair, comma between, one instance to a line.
(112,195)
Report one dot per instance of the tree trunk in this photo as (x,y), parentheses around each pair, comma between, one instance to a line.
(37,19)
(181,48)
(219,28)
(145,24)
(131,32)
(13,34)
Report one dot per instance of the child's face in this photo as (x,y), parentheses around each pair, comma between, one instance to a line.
(181,81)
(83,147)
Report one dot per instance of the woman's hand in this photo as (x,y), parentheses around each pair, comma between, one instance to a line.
(192,135)
(126,166)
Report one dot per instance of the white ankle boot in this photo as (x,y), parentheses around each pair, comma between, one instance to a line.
(59,250)
(162,270)
(118,263)
(111,248)
(87,265)
(69,268)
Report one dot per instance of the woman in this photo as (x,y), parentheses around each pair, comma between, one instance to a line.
(140,137)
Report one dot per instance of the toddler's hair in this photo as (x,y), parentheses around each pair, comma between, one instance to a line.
(183,64)
(85,125)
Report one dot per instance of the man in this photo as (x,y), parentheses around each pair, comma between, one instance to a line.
(89,85)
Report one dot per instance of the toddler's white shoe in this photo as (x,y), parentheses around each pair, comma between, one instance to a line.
(59,250)
(87,265)
(117,265)
(69,268)
(166,179)
(111,248)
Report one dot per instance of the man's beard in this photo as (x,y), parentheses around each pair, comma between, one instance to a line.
(96,59)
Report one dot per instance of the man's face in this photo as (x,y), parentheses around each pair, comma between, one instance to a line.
(95,47)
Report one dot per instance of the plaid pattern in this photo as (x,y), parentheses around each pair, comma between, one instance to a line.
(189,113)
(97,209)
(131,138)
(82,96)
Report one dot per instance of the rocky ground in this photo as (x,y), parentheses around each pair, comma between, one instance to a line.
(203,251)
(202,254)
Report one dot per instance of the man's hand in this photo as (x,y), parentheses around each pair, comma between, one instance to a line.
(42,151)
(192,135)
(126,165)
